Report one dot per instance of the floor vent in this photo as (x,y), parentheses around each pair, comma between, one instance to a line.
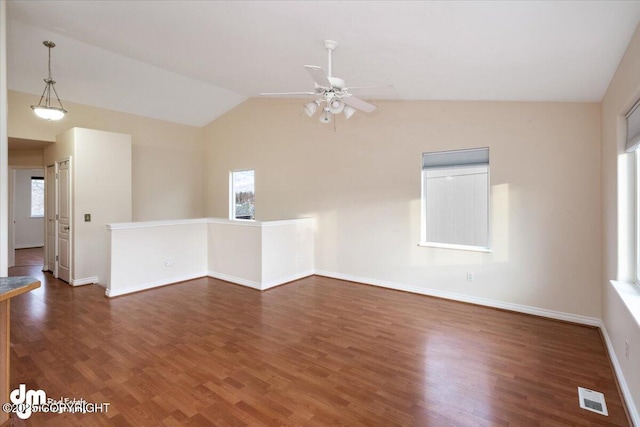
(592,401)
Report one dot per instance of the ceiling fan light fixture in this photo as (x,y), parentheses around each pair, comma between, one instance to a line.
(325,117)
(310,108)
(348,111)
(44,109)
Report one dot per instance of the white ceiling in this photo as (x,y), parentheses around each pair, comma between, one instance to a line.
(191,61)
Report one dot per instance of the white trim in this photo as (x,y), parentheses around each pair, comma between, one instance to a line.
(624,388)
(261,286)
(4,166)
(153,284)
(236,280)
(285,222)
(241,222)
(629,293)
(147,224)
(287,279)
(254,223)
(552,314)
(30,246)
(456,247)
(85,281)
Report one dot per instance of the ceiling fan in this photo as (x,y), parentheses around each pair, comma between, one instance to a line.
(332,95)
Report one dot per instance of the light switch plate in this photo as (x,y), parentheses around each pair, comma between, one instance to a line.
(87,217)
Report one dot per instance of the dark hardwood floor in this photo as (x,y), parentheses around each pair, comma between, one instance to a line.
(29,256)
(314,352)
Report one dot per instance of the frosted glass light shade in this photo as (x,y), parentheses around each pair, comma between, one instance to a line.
(336,106)
(49,113)
(348,111)
(310,108)
(325,117)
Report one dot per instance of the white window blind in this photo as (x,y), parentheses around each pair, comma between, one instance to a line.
(455,198)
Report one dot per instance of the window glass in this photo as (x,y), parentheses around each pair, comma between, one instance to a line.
(37,197)
(242,195)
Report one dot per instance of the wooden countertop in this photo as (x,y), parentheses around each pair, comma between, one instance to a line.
(14,286)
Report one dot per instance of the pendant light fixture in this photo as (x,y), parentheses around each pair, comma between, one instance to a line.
(44,109)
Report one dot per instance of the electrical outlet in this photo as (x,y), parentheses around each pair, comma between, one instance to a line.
(168,263)
(87,217)
(626,349)
(469,277)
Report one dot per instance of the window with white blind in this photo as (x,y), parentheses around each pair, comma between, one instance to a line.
(455,199)
(632,147)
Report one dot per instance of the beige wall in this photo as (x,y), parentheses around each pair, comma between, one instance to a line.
(97,191)
(362,182)
(26,157)
(623,92)
(167,157)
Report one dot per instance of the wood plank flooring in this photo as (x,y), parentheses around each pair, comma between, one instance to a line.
(29,256)
(315,352)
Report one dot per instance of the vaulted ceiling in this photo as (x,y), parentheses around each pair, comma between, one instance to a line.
(191,61)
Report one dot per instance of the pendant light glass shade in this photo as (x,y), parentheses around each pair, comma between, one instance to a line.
(325,117)
(48,113)
(44,109)
(336,106)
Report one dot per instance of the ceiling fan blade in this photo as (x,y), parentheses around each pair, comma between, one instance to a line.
(374,92)
(359,104)
(288,94)
(370,87)
(318,75)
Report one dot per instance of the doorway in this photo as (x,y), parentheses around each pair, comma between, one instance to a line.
(26,211)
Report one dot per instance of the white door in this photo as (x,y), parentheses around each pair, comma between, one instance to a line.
(63,264)
(50,214)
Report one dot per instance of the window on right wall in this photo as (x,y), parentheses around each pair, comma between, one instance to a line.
(632,146)
(455,199)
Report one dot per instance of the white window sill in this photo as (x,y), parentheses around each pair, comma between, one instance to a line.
(36,216)
(630,295)
(456,247)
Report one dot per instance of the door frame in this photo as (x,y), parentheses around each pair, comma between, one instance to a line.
(49,187)
(57,213)
(11,243)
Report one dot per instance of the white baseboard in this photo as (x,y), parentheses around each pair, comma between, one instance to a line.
(29,246)
(287,279)
(85,281)
(575,318)
(624,388)
(236,280)
(153,284)
(264,285)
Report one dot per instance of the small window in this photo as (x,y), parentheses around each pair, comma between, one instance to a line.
(37,197)
(242,195)
(455,199)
